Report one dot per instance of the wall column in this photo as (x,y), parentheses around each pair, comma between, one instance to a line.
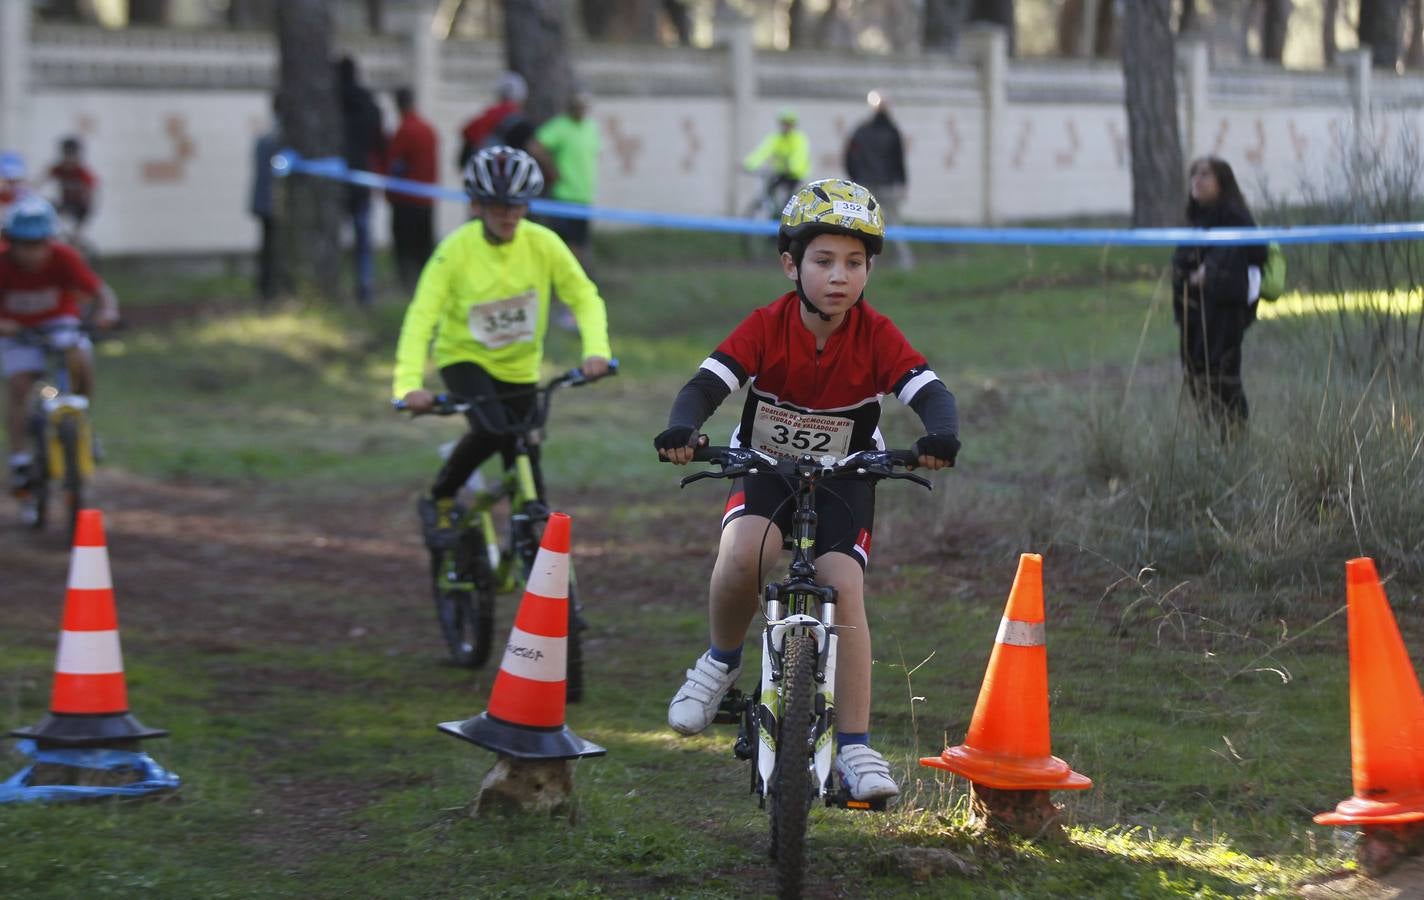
(14,75)
(988,46)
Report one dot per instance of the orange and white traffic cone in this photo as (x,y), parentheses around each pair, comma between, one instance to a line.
(1386,712)
(1008,743)
(89,704)
(525,718)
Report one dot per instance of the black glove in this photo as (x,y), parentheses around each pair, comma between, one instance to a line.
(940,446)
(675,438)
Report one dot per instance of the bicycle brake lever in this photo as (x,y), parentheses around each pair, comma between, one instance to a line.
(697,476)
(917,479)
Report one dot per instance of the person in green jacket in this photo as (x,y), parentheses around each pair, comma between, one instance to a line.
(571,142)
(784,156)
(483,299)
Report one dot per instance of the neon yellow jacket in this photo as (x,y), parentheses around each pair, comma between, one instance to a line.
(789,152)
(489,304)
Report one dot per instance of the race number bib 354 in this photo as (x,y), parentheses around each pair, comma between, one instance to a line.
(782,432)
(504,322)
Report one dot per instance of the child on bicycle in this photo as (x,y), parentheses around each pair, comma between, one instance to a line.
(483,298)
(45,288)
(816,362)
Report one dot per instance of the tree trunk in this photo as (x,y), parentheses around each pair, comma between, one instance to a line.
(1329,16)
(1379,28)
(536,46)
(376,16)
(148,12)
(1273,29)
(1414,54)
(597,17)
(680,19)
(999,12)
(310,247)
(798,26)
(939,30)
(1190,20)
(1105,42)
(60,11)
(1149,62)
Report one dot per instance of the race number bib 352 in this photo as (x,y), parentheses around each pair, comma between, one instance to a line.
(504,322)
(782,432)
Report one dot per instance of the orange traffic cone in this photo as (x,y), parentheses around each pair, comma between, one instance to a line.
(89,704)
(1386,712)
(525,718)
(1007,746)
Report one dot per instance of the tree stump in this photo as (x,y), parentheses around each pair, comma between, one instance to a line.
(522,786)
(1030,814)
(1382,847)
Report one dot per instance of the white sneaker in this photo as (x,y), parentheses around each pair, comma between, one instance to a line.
(865,773)
(696,702)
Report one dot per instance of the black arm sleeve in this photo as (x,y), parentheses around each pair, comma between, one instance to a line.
(935,406)
(698,400)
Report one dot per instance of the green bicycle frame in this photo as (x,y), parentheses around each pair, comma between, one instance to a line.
(518,485)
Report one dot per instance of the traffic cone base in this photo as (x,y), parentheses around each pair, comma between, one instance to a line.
(1008,773)
(89,704)
(521,741)
(1008,744)
(1356,811)
(525,717)
(63,730)
(1386,712)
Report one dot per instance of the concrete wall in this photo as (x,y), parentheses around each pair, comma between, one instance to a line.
(169,118)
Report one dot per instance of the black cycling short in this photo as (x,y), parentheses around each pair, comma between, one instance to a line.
(845,511)
(573,231)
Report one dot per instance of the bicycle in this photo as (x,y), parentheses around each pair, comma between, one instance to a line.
(776,187)
(61,439)
(466,577)
(787,730)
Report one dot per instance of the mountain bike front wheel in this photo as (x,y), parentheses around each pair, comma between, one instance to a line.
(67,431)
(790,791)
(464,600)
(573,674)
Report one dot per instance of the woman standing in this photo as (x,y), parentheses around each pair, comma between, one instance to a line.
(1214,292)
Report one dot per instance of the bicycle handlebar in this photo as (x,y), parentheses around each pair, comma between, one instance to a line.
(453,404)
(873,465)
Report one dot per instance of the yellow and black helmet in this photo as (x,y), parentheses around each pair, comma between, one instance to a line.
(831,206)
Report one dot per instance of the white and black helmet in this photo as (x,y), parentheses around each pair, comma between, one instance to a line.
(503,175)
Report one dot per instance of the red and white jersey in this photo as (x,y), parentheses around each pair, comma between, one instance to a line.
(49,292)
(804,400)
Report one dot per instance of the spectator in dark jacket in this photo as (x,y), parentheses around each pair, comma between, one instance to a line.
(502,122)
(363,144)
(1214,291)
(411,154)
(875,158)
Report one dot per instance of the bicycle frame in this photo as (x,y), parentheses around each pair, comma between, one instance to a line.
(520,488)
(790,608)
(60,431)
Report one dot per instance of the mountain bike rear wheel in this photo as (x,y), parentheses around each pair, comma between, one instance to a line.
(464,600)
(790,793)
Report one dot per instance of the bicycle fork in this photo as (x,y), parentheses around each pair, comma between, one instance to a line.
(780,627)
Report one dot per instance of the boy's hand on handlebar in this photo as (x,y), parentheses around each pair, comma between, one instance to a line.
(419,401)
(937,451)
(106,319)
(677,444)
(595,367)
(9,327)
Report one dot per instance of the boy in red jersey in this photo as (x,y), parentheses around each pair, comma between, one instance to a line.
(77,185)
(44,287)
(817,362)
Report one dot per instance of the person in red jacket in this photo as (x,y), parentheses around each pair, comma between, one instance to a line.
(77,184)
(502,123)
(44,288)
(411,154)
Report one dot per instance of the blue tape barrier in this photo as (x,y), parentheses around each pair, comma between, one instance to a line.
(288,162)
(17,789)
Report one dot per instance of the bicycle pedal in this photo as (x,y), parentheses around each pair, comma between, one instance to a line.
(729,712)
(842,799)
